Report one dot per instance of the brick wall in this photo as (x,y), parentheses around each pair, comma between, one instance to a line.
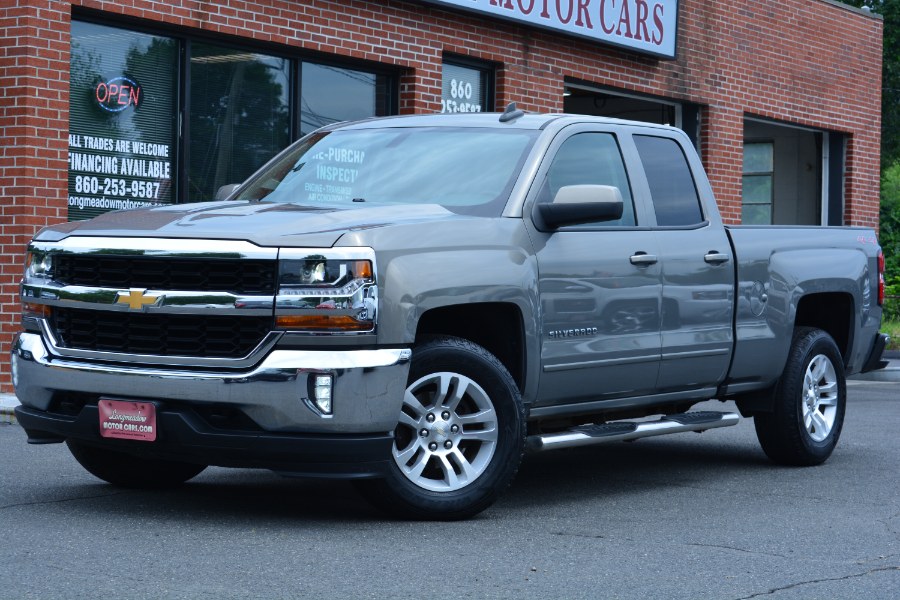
(809,62)
(34,119)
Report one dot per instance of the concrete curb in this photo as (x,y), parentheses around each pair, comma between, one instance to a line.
(891,373)
(8,402)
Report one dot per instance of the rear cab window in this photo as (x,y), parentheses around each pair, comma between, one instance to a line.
(673,192)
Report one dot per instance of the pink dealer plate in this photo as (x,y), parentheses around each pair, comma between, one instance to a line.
(127,420)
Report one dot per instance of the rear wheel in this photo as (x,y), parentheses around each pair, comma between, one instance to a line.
(459,438)
(810,401)
(131,471)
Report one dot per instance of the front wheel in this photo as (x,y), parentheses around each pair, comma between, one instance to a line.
(459,438)
(810,401)
(126,470)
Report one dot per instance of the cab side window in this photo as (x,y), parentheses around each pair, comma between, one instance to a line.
(675,199)
(590,159)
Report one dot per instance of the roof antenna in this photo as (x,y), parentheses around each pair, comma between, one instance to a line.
(511,113)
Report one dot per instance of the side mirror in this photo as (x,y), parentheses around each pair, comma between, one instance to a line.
(226,190)
(577,204)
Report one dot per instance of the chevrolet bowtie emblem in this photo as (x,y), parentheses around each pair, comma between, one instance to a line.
(137,298)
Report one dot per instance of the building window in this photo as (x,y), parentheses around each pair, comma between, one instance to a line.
(122,120)
(466,87)
(128,148)
(756,198)
(330,94)
(239,115)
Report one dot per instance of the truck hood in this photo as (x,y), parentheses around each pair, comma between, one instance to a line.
(262,223)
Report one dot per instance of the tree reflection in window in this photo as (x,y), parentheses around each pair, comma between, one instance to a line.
(239,115)
(331,94)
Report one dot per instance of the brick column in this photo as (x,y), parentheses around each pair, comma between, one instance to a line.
(34,120)
(532,88)
(420,90)
(722,151)
(862,173)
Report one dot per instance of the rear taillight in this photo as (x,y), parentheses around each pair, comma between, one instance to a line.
(880,278)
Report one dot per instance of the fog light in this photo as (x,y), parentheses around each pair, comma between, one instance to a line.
(14,367)
(322,393)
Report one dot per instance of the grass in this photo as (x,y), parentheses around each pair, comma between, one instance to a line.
(892,328)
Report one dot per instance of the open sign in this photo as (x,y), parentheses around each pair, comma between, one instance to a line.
(118,93)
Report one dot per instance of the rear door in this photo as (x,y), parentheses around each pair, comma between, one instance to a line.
(697,265)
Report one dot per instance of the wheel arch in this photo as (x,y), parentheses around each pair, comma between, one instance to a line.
(832,312)
(498,327)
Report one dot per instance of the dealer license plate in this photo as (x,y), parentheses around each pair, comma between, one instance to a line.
(127,420)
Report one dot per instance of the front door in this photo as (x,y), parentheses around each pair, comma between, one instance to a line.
(600,285)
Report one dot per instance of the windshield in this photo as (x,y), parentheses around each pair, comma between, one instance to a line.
(465,170)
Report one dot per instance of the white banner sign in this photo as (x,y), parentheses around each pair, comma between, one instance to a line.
(643,25)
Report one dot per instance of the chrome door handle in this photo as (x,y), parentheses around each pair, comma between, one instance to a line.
(715,258)
(642,259)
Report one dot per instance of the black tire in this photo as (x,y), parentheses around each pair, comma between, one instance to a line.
(452,459)
(126,470)
(810,401)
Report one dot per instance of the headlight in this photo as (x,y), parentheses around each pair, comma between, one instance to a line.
(38,271)
(318,271)
(326,294)
(38,264)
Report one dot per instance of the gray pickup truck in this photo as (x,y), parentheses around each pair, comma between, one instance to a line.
(415,302)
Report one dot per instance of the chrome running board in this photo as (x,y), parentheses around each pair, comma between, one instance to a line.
(623,431)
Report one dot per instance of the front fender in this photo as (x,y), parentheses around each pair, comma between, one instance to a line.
(423,266)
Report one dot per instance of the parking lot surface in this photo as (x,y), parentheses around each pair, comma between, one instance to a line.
(683,516)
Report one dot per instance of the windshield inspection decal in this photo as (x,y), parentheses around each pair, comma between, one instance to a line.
(326,186)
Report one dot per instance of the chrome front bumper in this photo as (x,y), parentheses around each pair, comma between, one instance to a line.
(367,393)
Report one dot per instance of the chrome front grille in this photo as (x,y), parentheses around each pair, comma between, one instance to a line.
(189,302)
(201,336)
(237,276)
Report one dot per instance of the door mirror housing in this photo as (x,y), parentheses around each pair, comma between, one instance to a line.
(226,190)
(578,204)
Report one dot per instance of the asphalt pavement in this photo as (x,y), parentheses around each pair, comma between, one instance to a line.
(680,517)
